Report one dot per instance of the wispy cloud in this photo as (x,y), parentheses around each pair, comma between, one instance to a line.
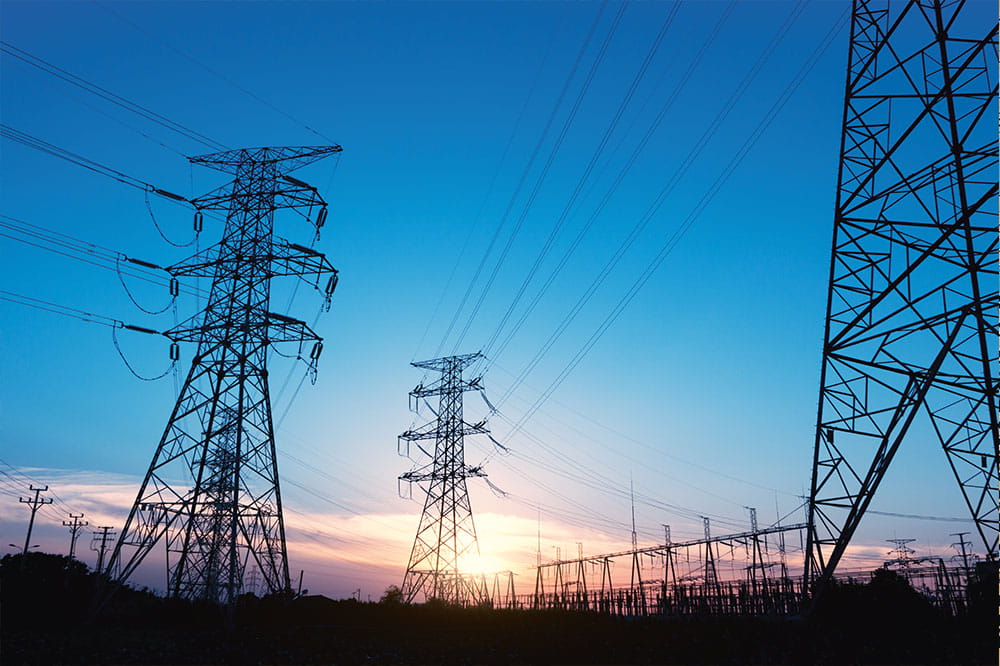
(338,553)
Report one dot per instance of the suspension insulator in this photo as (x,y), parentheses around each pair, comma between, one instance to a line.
(316,351)
(199,222)
(321,217)
(175,351)
(175,287)
(331,284)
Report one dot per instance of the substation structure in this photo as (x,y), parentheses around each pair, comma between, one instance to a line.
(693,581)
(212,490)
(744,574)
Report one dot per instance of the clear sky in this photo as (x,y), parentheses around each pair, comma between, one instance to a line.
(703,390)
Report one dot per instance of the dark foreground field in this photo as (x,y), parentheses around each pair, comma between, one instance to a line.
(44,621)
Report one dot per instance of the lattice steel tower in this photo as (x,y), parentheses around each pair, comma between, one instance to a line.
(910,351)
(446,533)
(212,490)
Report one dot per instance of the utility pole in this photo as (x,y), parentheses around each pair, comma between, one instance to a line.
(637,590)
(581,576)
(669,567)
(74,531)
(212,491)
(539,581)
(911,323)
(559,586)
(757,556)
(962,543)
(34,503)
(102,535)
(712,590)
(447,533)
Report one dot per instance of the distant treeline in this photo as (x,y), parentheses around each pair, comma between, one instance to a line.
(46,612)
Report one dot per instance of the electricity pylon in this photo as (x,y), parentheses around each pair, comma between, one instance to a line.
(212,491)
(446,534)
(910,348)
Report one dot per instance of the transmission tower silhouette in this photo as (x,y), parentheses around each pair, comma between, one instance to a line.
(446,535)
(212,490)
(910,349)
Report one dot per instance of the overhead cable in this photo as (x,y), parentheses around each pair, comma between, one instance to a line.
(104,93)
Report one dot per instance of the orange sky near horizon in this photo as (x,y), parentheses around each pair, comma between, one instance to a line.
(341,553)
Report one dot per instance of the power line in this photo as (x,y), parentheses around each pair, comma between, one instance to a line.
(690,70)
(85,252)
(90,317)
(639,226)
(685,165)
(573,471)
(104,93)
(524,176)
(673,479)
(595,156)
(489,191)
(29,479)
(672,241)
(8,132)
(646,445)
(208,69)
(553,151)
(55,308)
(678,233)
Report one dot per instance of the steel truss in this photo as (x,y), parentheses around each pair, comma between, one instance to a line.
(212,490)
(910,347)
(700,591)
(447,533)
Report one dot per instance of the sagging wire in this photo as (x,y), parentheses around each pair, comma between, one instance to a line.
(174,352)
(174,288)
(504,451)
(496,490)
(89,317)
(405,453)
(177,374)
(156,225)
(312,372)
(331,283)
(493,410)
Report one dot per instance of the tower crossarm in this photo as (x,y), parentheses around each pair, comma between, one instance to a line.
(269,327)
(441,387)
(286,193)
(433,431)
(285,159)
(294,259)
(285,259)
(455,363)
(464,472)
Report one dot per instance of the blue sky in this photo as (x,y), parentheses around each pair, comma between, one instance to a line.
(704,390)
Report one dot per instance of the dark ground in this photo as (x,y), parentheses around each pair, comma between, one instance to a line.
(43,620)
